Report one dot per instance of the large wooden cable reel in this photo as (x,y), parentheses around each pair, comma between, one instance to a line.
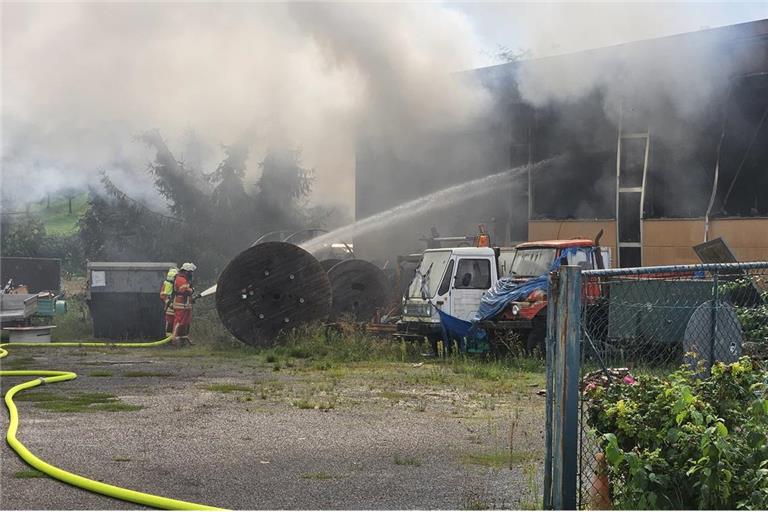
(269,288)
(359,288)
(329,263)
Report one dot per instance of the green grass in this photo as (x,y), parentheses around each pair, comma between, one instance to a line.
(56,218)
(29,473)
(498,459)
(100,373)
(76,402)
(462,375)
(147,374)
(406,461)
(17,363)
(320,475)
(227,388)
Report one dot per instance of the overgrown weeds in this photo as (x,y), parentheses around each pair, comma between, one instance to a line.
(75,324)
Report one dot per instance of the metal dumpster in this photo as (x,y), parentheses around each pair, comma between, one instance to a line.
(124,300)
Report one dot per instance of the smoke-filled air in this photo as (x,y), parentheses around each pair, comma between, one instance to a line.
(221,123)
(80,81)
(311,253)
(434,202)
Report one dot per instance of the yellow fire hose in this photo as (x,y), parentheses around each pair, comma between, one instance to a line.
(50,377)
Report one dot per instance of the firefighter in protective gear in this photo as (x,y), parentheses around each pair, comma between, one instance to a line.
(182,304)
(166,295)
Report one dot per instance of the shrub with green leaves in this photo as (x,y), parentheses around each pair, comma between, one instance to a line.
(686,443)
(751,306)
(754,321)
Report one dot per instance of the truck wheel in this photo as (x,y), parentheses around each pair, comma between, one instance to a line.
(535,343)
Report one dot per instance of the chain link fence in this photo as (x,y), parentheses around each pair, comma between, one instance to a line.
(650,321)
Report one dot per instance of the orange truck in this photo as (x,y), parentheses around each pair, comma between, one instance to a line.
(523,309)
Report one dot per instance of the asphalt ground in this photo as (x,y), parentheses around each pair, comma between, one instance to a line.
(233,432)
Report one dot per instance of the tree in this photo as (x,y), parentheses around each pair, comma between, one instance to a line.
(212,216)
(22,237)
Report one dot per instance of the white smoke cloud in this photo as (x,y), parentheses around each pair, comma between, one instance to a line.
(80,80)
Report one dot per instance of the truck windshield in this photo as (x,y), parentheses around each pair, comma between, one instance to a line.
(532,262)
(429,273)
(506,257)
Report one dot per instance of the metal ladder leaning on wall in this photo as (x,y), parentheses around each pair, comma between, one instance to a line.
(632,150)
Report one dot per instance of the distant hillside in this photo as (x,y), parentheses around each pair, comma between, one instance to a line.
(56,216)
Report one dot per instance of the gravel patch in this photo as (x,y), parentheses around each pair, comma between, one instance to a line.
(293,439)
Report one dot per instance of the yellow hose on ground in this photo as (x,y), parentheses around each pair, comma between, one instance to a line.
(50,377)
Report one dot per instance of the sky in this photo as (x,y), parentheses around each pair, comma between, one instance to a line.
(550,28)
(80,80)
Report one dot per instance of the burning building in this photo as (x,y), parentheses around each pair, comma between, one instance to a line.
(662,144)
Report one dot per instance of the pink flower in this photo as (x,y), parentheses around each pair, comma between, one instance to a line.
(628,379)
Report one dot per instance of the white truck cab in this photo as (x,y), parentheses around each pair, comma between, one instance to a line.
(454,280)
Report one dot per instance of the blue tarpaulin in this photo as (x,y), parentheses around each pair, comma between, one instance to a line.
(456,327)
(506,290)
(497,298)
(464,333)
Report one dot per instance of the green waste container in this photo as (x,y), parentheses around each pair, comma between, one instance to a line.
(654,310)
